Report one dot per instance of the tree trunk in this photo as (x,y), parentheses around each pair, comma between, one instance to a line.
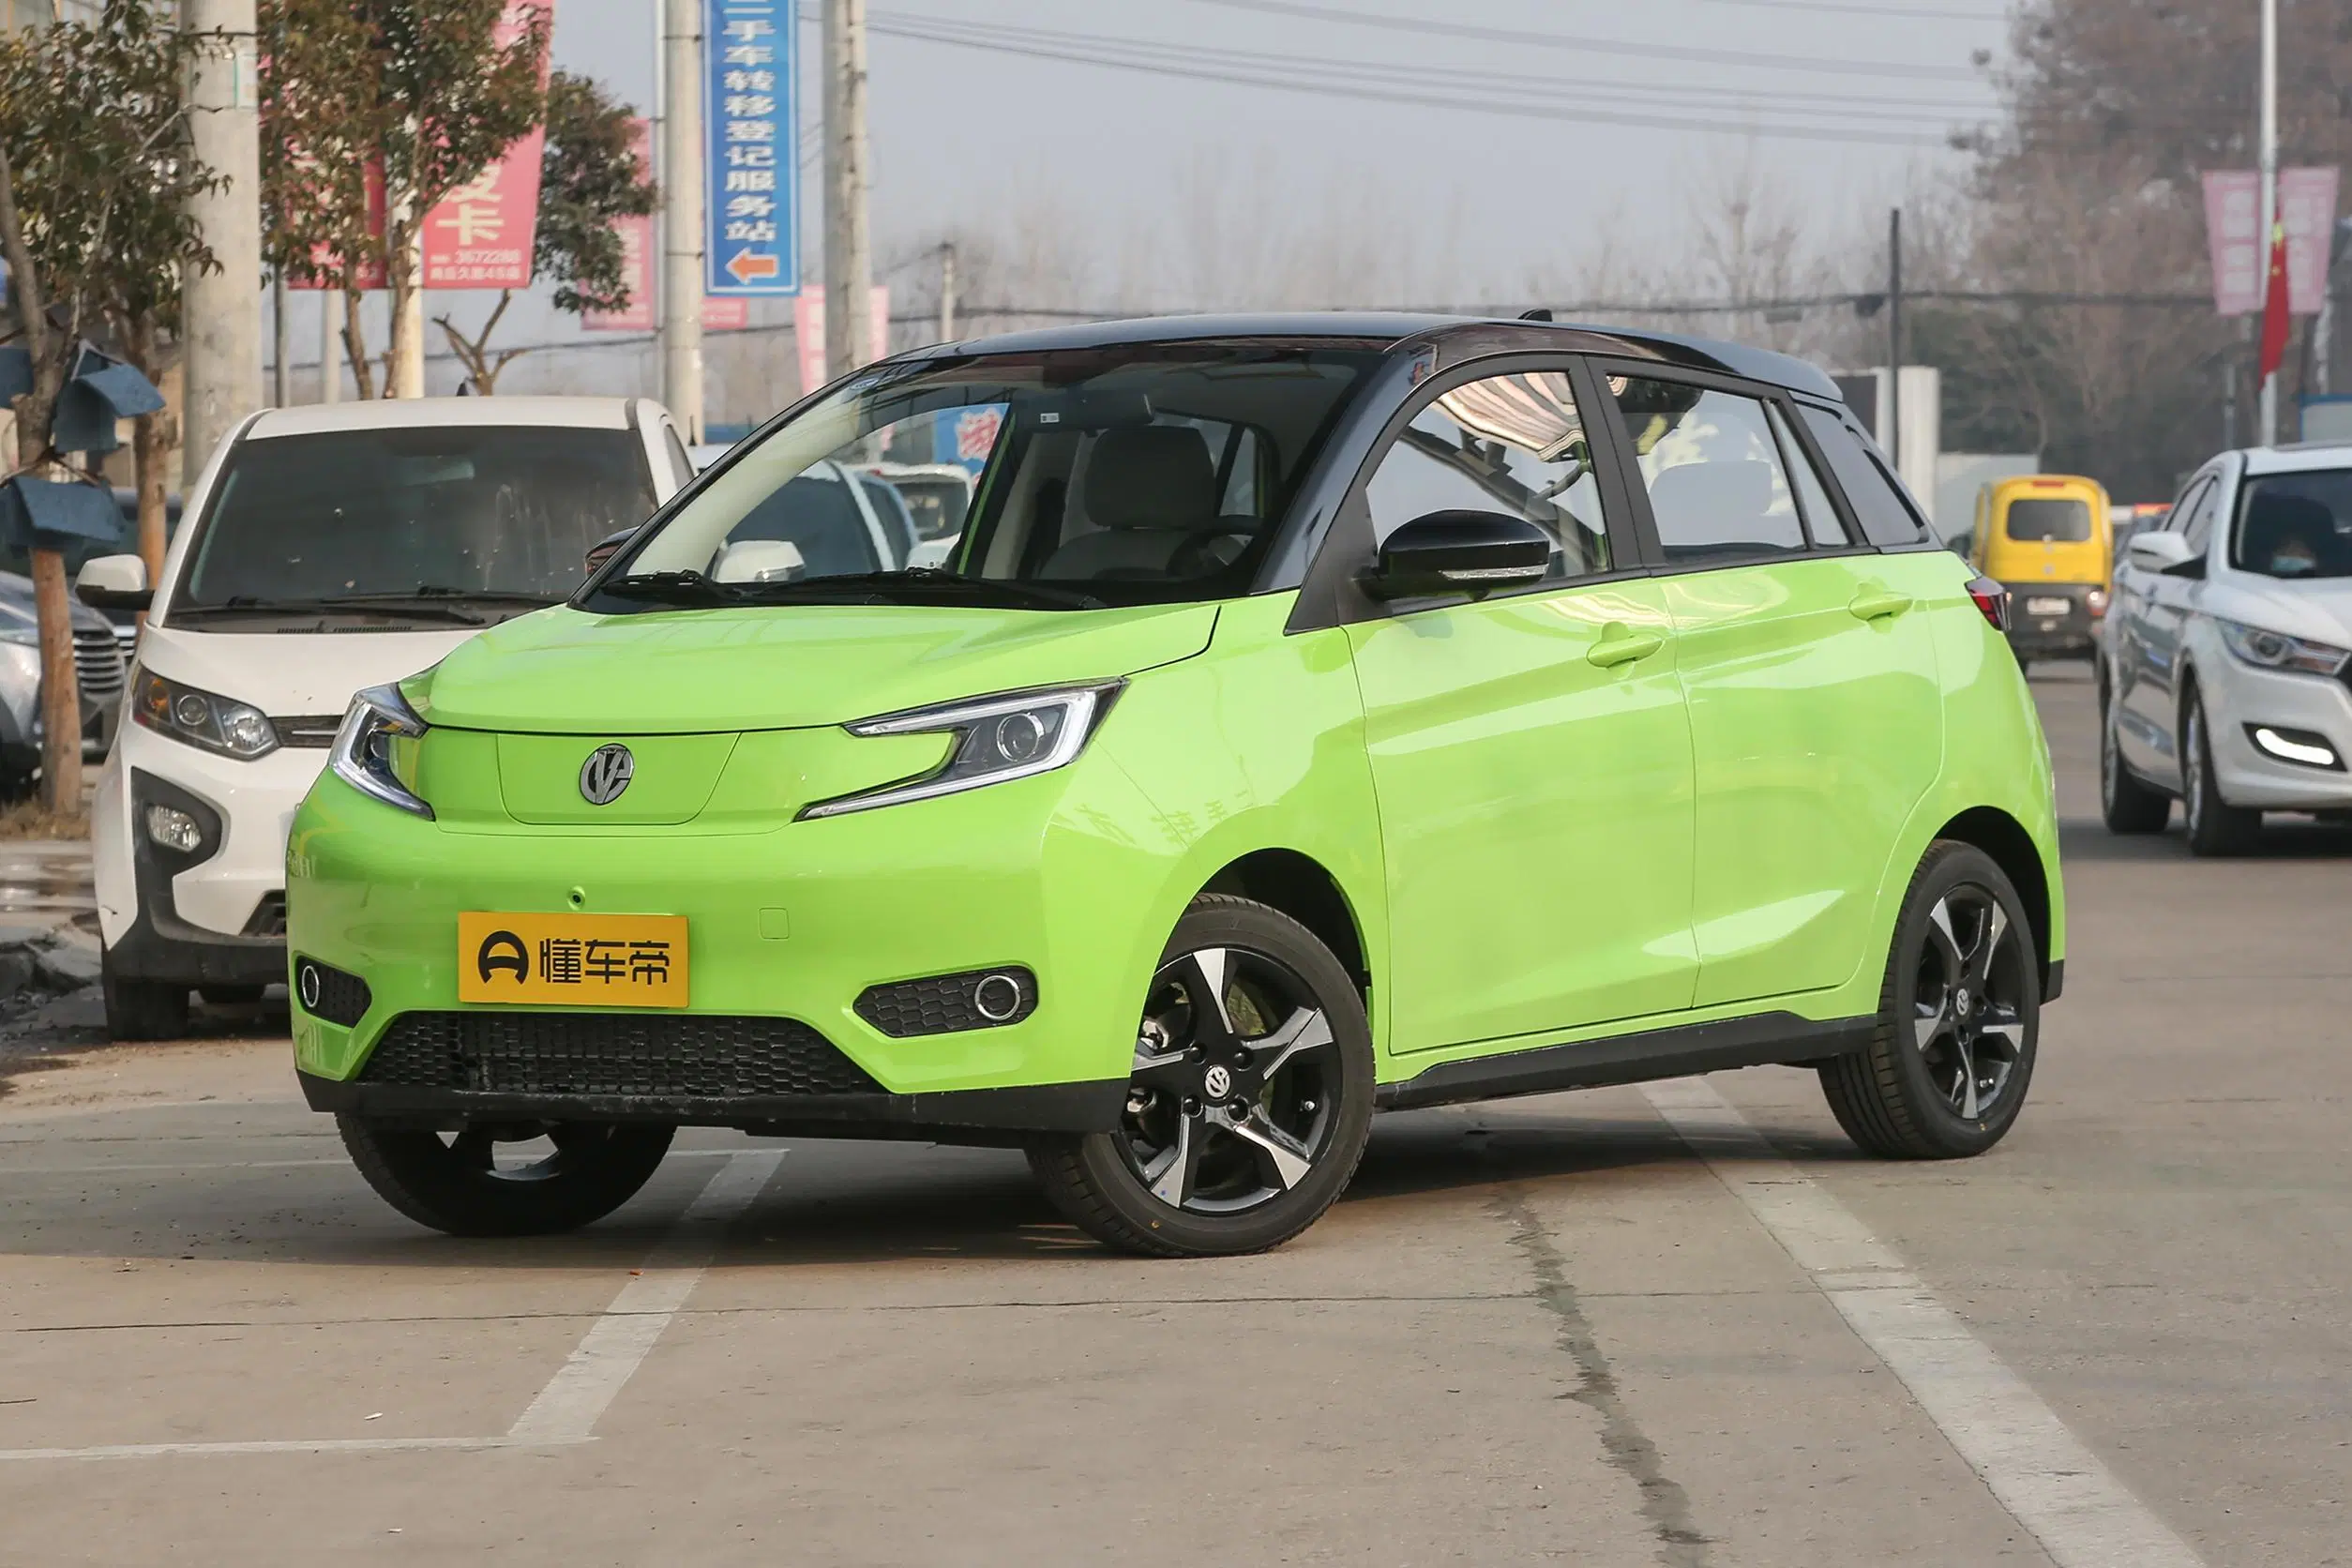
(154,440)
(404,375)
(355,343)
(61,695)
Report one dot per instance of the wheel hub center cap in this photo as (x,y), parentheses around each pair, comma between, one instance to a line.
(1218,1081)
(1967,1004)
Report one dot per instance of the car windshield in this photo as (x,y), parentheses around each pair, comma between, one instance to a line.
(1127,475)
(2296,525)
(462,523)
(2058,521)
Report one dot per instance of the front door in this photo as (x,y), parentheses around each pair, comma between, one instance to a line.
(1817,718)
(1530,753)
(2147,669)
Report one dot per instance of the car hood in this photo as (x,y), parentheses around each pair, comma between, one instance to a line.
(2319,608)
(781,667)
(289,676)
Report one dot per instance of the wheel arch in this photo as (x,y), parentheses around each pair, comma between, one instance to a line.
(2004,838)
(1303,888)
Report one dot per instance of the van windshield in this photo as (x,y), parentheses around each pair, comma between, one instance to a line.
(458,524)
(2045,519)
(1138,473)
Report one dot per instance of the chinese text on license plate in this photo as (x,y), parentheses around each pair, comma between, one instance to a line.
(2045,607)
(581,960)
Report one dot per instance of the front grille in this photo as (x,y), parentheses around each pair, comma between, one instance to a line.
(947,1003)
(328,992)
(97,660)
(310,730)
(269,918)
(671,1055)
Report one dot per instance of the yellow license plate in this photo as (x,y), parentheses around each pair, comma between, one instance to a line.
(580,960)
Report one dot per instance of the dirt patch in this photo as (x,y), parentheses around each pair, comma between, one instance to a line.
(30,819)
(55,1056)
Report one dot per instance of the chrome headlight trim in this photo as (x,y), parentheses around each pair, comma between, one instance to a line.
(375,715)
(994,737)
(2265,649)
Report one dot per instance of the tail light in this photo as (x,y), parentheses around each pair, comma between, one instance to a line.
(2097,602)
(1993,600)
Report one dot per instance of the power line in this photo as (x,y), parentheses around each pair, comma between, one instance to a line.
(1325,89)
(1846,8)
(1597,46)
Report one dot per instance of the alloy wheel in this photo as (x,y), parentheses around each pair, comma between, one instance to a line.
(1968,1001)
(2197,797)
(1235,1087)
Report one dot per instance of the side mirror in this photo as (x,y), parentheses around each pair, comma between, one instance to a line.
(114,582)
(1459,552)
(2158,553)
(757,560)
(604,549)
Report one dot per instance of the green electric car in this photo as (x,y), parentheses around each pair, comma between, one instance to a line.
(1315,716)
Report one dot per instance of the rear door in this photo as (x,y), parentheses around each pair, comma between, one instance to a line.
(1530,751)
(1815,710)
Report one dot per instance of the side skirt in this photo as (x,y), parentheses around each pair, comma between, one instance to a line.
(1766,1039)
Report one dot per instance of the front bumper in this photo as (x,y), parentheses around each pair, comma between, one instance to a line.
(2237,695)
(788,923)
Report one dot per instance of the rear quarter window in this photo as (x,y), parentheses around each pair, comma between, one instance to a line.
(1885,513)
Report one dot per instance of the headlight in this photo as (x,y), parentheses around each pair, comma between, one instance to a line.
(2271,650)
(362,755)
(220,724)
(998,739)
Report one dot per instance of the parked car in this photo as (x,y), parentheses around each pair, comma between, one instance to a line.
(1596,701)
(936,495)
(98,668)
(2043,537)
(2226,680)
(330,548)
(125,622)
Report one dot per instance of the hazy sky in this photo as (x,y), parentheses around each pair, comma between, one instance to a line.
(1172,187)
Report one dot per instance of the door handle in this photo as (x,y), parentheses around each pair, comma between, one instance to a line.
(1877,604)
(1621,644)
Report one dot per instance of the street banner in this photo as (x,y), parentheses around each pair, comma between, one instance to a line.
(2240,252)
(751,206)
(480,235)
(639,237)
(808,331)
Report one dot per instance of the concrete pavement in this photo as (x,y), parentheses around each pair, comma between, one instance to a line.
(1541,1331)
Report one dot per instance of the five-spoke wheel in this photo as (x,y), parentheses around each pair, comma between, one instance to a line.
(1249,1101)
(1959,1013)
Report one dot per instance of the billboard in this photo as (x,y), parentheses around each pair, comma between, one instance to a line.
(751,208)
(2240,252)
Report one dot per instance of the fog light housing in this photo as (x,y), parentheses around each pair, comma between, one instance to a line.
(174,829)
(2300,746)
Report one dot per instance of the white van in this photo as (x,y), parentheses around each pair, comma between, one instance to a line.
(326,549)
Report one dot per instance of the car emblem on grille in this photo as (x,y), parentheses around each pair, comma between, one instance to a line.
(605,773)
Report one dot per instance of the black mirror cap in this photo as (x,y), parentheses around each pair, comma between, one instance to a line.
(2192,566)
(1460,553)
(607,548)
(114,598)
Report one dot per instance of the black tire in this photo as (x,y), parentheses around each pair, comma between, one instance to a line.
(2128,805)
(1947,1067)
(1238,1132)
(231,996)
(457,1186)
(2215,826)
(141,1009)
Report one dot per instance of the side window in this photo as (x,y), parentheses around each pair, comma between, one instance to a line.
(2177,521)
(2198,530)
(1887,516)
(1717,487)
(1515,445)
(1822,522)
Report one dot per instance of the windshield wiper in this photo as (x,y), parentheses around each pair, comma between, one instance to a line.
(691,588)
(437,591)
(357,604)
(919,578)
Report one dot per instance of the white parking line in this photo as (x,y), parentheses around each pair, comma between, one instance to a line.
(591,1378)
(2053,1485)
(618,1342)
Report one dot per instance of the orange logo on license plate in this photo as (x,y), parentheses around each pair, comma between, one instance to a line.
(580,960)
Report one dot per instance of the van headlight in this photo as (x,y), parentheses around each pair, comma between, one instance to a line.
(220,724)
(362,756)
(998,739)
(2273,650)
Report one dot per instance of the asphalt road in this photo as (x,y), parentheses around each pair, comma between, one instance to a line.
(1613,1328)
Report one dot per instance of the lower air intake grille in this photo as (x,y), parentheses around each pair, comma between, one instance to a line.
(979,999)
(684,1056)
(328,992)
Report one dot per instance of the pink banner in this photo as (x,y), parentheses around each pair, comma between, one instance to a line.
(808,330)
(480,235)
(2240,252)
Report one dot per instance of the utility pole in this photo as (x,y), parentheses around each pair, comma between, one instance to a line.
(849,265)
(947,293)
(222,308)
(1894,339)
(278,338)
(2266,421)
(682,214)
